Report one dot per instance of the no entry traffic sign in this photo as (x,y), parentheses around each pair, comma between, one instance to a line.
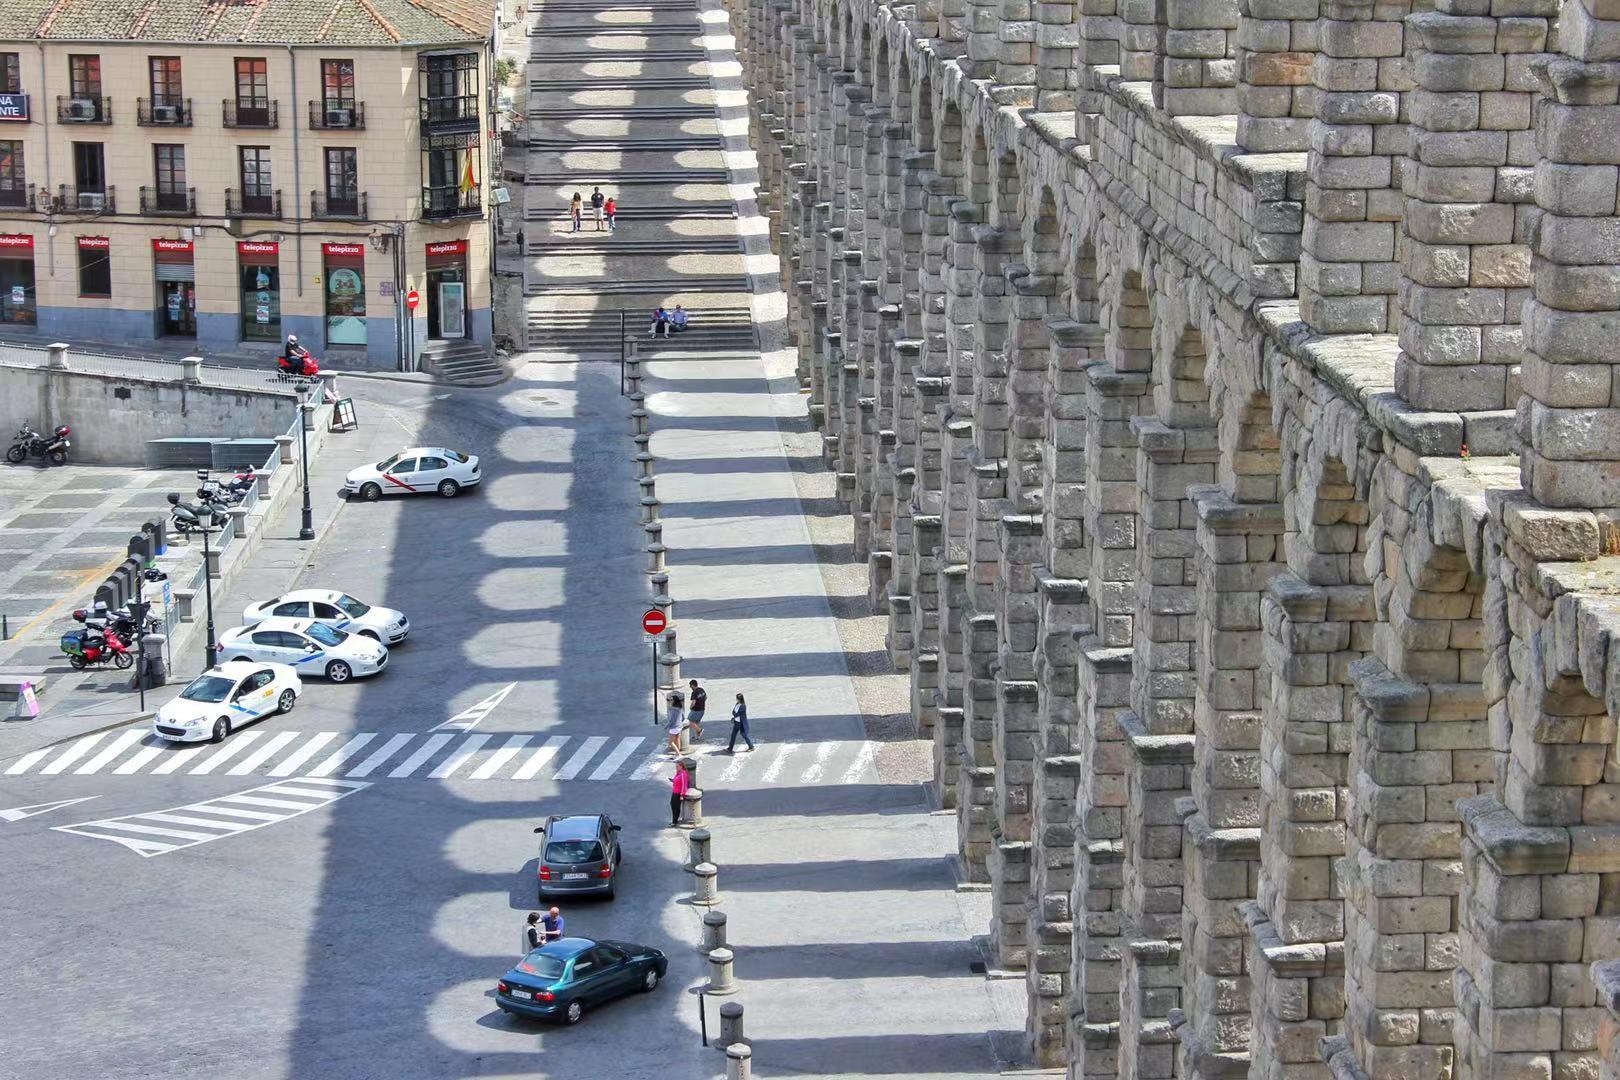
(413,298)
(653,622)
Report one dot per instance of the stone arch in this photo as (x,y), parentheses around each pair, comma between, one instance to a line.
(922,117)
(1130,337)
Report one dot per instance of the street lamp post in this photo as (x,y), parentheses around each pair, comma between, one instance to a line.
(305,409)
(208,595)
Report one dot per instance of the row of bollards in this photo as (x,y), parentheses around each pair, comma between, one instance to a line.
(699,859)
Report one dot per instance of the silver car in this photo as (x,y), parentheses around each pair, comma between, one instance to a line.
(580,854)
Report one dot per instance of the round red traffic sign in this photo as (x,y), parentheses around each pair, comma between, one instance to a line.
(653,622)
(413,298)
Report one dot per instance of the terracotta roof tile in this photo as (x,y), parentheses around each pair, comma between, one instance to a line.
(296,22)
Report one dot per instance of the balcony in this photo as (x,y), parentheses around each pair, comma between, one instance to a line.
(250,115)
(240,204)
(447,201)
(449,114)
(162,203)
(16,197)
(84,110)
(85,201)
(163,112)
(345,207)
(337,115)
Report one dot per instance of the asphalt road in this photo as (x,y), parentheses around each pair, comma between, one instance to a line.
(361,935)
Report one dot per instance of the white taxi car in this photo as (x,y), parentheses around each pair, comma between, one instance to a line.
(412,471)
(306,646)
(337,610)
(226,697)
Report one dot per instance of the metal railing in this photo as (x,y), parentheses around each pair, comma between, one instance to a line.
(17,198)
(238,115)
(242,204)
(151,368)
(77,201)
(163,112)
(178,203)
(83,110)
(454,109)
(338,207)
(337,115)
(448,201)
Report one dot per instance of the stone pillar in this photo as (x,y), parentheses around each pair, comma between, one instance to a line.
(1197,75)
(1057,38)
(1465,258)
(1276,43)
(1348,274)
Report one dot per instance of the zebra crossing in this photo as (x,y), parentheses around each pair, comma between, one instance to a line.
(158,832)
(439,755)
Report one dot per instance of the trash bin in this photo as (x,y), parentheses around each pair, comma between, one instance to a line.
(152,664)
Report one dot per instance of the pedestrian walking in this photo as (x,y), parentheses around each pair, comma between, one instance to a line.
(597,199)
(679,785)
(551,926)
(532,933)
(699,699)
(576,207)
(611,209)
(675,721)
(739,726)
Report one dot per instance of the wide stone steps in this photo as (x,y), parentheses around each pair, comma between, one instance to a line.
(623,112)
(588,30)
(628,146)
(711,330)
(663,212)
(596,245)
(664,286)
(674,176)
(605,9)
(663,82)
(462,363)
(619,56)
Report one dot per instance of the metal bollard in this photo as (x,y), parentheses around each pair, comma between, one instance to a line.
(655,558)
(692,809)
(666,604)
(714,931)
(645,460)
(649,508)
(706,891)
(720,974)
(731,1025)
(690,764)
(739,1062)
(697,849)
(647,483)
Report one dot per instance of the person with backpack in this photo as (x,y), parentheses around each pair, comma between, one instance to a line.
(597,199)
(660,322)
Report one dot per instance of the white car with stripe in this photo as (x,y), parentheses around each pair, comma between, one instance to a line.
(307,646)
(226,697)
(335,609)
(414,471)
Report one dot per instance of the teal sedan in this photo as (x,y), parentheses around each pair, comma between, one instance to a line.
(563,978)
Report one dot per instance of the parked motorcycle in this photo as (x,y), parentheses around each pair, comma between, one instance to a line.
(30,443)
(122,623)
(193,517)
(96,644)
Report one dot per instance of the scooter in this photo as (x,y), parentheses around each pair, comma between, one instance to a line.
(190,518)
(299,369)
(28,442)
(94,645)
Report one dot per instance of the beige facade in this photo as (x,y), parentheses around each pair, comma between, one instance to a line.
(269,201)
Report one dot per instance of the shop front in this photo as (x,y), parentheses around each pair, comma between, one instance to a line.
(259,279)
(344,268)
(447,289)
(18,301)
(176,278)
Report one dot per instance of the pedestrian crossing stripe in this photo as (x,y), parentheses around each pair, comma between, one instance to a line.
(158,832)
(441,755)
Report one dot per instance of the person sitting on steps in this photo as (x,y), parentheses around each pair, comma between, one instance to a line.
(678,320)
(660,322)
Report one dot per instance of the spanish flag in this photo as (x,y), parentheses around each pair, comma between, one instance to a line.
(469,182)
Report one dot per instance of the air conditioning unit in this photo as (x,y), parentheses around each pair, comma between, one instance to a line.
(339,118)
(82,109)
(93,200)
(165,114)
(44,202)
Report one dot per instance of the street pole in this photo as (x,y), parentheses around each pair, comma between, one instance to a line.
(140,634)
(305,409)
(655,679)
(208,595)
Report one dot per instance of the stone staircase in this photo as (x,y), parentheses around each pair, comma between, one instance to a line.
(591,242)
(653,212)
(713,330)
(463,363)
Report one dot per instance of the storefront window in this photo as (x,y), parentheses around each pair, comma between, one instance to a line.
(260,280)
(345,293)
(17,300)
(95,266)
(176,288)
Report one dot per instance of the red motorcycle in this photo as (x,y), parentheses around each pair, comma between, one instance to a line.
(95,645)
(297,367)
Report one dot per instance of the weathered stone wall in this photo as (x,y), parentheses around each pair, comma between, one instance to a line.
(1225,394)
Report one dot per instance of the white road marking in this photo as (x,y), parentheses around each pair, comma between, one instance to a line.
(540,757)
(28,761)
(462,754)
(144,755)
(611,763)
(862,762)
(342,754)
(500,757)
(416,760)
(295,760)
(734,768)
(20,812)
(262,754)
(177,758)
(581,756)
(72,754)
(824,751)
(389,749)
(233,746)
(149,840)
(114,748)
(470,718)
(647,768)
(779,762)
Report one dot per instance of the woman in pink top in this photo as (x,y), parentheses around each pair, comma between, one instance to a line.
(679,785)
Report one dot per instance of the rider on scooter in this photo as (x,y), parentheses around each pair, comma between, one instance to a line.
(296,358)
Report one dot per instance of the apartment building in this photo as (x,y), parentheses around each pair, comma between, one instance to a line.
(232,172)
